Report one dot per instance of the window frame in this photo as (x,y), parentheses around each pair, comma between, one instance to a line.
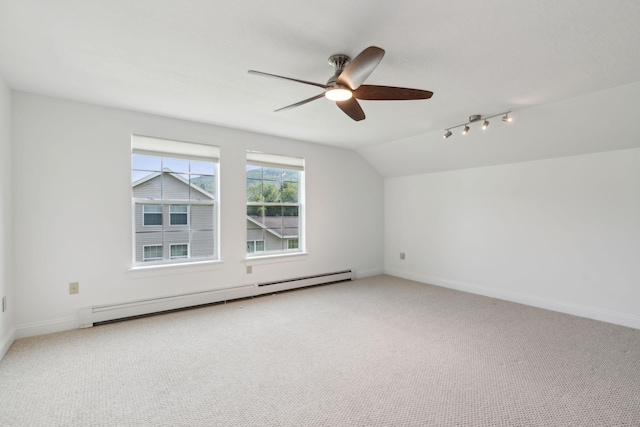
(202,179)
(171,256)
(153,259)
(255,245)
(144,215)
(287,163)
(187,215)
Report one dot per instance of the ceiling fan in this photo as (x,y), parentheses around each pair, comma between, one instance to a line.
(345,86)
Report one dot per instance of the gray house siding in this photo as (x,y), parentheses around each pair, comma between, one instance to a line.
(198,233)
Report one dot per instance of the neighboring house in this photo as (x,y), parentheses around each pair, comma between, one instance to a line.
(179,225)
(271,233)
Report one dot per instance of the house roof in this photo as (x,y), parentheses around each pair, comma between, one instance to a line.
(284,227)
(177,176)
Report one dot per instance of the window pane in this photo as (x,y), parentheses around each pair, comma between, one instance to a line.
(290,175)
(271,191)
(168,229)
(179,219)
(179,251)
(254,172)
(272,227)
(178,209)
(146,185)
(146,163)
(152,214)
(202,168)
(175,165)
(272,174)
(174,187)
(292,244)
(152,253)
(202,187)
(289,192)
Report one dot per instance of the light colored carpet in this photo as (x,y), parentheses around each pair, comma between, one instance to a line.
(379,351)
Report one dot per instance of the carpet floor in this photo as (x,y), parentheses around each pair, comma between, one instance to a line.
(378,351)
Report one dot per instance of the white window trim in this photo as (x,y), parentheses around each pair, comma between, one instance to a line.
(158,147)
(155,258)
(283,162)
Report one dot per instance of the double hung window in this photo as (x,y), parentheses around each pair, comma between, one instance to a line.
(174,191)
(275,187)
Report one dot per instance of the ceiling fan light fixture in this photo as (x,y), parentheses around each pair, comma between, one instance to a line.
(485,124)
(338,94)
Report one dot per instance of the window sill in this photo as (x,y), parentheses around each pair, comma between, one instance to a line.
(179,268)
(271,259)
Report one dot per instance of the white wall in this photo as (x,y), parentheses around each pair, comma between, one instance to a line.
(6,202)
(562,233)
(73,210)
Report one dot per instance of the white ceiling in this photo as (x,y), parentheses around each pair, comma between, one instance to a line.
(189,59)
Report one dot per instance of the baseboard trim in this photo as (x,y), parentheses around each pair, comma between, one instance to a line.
(7,341)
(593,313)
(47,327)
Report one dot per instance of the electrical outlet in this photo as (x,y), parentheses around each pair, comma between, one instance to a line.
(74,288)
(401,255)
(249,269)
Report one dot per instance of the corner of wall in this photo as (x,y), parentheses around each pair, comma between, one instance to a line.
(7,329)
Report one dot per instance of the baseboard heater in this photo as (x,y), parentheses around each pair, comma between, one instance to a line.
(318,279)
(112,312)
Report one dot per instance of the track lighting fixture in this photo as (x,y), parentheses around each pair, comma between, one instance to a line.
(476,118)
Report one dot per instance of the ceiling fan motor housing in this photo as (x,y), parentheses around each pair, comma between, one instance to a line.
(339,62)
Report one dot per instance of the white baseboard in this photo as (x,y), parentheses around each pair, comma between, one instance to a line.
(370,272)
(7,341)
(46,327)
(594,313)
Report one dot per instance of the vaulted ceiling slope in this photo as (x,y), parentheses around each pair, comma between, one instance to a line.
(190,59)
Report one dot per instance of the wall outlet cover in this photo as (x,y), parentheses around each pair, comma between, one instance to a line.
(74,288)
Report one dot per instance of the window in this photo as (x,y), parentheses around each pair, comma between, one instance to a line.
(274,203)
(180,251)
(178,215)
(255,246)
(152,253)
(174,188)
(292,243)
(151,215)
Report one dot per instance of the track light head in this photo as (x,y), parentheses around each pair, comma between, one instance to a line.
(477,118)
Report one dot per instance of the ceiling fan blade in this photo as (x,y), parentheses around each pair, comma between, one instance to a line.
(352,109)
(389,93)
(297,104)
(359,69)
(260,73)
